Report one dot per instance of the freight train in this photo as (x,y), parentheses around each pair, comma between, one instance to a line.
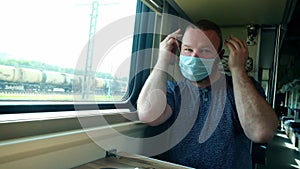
(34,80)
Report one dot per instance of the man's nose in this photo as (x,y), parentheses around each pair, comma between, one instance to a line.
(194,54)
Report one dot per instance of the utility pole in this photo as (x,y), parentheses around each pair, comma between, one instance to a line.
(88,74)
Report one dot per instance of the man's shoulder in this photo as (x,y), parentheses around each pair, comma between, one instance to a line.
(174,84)
(254,81)
(229,79)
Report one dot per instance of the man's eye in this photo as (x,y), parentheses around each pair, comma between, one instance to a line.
(206,51)
(188,50)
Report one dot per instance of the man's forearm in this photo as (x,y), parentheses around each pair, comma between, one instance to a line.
(152,100)
(257,117)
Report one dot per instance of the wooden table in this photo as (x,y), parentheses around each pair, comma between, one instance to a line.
(124,160)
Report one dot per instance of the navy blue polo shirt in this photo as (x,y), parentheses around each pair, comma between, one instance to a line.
(204,127)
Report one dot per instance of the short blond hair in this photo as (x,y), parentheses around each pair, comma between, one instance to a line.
(205,25)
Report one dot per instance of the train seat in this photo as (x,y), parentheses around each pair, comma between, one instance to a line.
(298,139)
(285,118)
(294,128)
(286,125)
(297,136)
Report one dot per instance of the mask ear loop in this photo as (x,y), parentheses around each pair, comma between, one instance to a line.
(178,47)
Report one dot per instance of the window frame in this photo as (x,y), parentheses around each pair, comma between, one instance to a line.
(130,97)
(22,119)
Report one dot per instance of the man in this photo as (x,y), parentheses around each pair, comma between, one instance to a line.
(223,114)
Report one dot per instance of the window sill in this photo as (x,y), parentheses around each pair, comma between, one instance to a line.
(31,124)
(39,150)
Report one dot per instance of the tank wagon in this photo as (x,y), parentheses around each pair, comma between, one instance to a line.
(34,80)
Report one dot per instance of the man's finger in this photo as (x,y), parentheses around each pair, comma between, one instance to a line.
(238,42)
(230,46)
(175,34)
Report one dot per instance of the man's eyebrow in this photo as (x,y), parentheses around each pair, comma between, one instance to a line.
(202,47)
(185,45)
(208,47)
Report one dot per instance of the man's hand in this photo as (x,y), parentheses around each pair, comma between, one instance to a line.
(238,54)
(169,47)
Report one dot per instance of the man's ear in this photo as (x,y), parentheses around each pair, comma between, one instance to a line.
(221,54)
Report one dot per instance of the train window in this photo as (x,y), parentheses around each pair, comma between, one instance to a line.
(62,50)
(265,80)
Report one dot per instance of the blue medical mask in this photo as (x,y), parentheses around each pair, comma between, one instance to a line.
(195,69)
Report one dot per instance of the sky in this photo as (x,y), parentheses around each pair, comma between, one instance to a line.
(55,31)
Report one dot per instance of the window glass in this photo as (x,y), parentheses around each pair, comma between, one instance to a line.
(47,48)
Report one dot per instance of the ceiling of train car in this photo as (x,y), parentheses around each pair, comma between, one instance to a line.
(261,12)
(235,12)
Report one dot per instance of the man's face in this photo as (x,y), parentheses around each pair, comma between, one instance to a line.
(198,43)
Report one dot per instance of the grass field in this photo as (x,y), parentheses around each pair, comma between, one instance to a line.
(55,97)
